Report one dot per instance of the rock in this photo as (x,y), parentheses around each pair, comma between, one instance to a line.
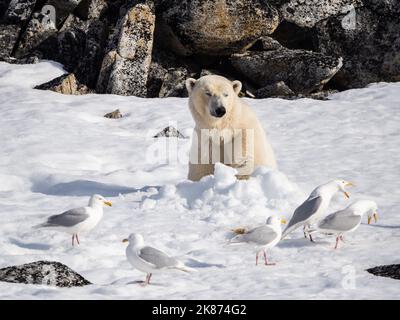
(302,71)
(63,8)
(8,38)
(214,27)
(390,271)
(370,48)
(65,84)
(39,28)
(173,84)
(116,114)
(170,132)
(266,44)
(19,11)
(125,68)
(278,89)
(49,273)
(90,9)
(306,13)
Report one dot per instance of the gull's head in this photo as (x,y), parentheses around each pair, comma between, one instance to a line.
(275,220)
(342,185)
(97,200)
(134,239)
(368,207)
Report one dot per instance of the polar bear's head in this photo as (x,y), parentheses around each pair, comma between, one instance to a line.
(212,97)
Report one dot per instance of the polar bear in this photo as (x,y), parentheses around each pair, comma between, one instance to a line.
(226,129)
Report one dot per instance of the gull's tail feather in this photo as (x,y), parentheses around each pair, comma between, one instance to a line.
(185,268)
(289,229)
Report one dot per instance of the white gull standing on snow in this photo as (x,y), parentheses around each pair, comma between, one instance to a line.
(263,237)
(348,219)
(148,259)
(78,220)
(316,204)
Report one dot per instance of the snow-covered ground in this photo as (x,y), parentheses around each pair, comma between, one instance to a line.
(56,150)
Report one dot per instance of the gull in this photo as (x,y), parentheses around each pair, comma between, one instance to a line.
(150,260)
(310,210)
(262,238)
(75,221)
(348,219)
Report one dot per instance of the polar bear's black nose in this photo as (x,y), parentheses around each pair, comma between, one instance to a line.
(219,112)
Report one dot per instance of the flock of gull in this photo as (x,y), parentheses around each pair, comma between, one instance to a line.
(309,215)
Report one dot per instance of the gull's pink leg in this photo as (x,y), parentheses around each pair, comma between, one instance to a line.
(337,242)
(266,260)
(257,258)
(311,239)
(341,238)
(73,237)
(148,277)
(77,239)
(304,231)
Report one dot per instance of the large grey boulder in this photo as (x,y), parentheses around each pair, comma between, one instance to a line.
(370,48)
(302,71)
(214,27)
(49,273)
(65,84)
(126,65)
(306,13)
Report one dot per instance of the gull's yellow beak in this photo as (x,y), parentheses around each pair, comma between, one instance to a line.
(283,221)
(125,240)
(349,184)
(108,203)
(346,194)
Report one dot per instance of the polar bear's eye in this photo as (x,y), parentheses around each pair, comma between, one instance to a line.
(208,93)
(226,94)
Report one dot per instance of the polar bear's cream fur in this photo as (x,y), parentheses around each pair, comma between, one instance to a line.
(217,109)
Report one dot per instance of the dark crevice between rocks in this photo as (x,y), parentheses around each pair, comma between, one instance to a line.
(292,36)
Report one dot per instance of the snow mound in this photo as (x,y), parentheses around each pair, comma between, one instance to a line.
(216,197)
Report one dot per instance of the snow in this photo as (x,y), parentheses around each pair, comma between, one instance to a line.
(57,150)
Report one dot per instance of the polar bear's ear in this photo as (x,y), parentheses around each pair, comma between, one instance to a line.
(237,86)
(190,82)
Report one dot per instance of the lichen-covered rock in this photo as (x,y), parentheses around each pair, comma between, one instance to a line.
(49,273)
(390,271)
(116,114)
(39,28)
(306,13)
(173,84)
(65,84)
(8,38)
(91,9)
(19,11)
(302,71)
(170,132)
(370,50)
(278,89)
(125,70)
(63,8)
(214,27)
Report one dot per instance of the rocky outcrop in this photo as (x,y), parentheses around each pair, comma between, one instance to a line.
(126,66)
(147,48)
(214,27)
(302,71)
(370,49)
(65,84)
(49,273)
